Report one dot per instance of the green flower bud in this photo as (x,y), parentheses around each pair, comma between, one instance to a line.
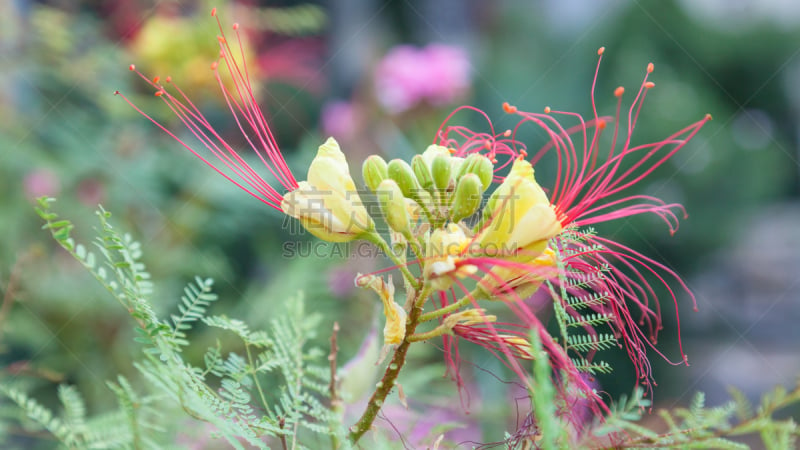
(480,166)
(374,171)
(401,172)
(456,162)
(432,152)
(441,170)
(393,205)
(422,172)
(467,197)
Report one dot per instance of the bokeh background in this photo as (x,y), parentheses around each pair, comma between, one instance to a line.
(381,76)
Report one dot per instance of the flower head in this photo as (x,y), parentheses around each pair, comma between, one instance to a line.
(592,185)
(519,218)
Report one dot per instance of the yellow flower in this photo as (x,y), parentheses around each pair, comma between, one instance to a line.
(327,204)
(518,219)
(395,329)
(516,282)
(442,257)
(176,46)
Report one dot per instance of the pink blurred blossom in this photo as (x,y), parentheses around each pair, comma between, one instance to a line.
(340,119)
(40,182)
(407,75)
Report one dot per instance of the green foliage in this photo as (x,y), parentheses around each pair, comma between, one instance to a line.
(576,308)
(699,426)
(277,389)
(127,427)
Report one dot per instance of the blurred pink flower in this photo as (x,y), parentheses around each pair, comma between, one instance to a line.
(41,182)
(436,74)
(339,119)
(448,73)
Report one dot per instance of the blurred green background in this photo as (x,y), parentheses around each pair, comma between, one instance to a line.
(318,67)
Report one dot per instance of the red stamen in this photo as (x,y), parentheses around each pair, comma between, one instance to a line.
(248,117)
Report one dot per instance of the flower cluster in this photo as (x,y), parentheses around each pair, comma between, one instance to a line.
(462,255)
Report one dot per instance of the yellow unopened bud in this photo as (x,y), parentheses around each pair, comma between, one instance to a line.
(440,170)
(468,317)
(374,171)
(327,204)
(480,166)
(393,206)
(467,197)
(422,171)
(518,219)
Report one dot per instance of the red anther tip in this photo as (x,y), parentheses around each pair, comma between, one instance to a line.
(236,26)
(649,85)
(451,150)
(601,124)
(168,80)
(508,108)
(619,91)
(156,79)
(650,68)
(708,117)
(523,153)
(213,12)
(547,110)
(507,133)
(600,51)
(221,39)
(487,144)
(214,65)
(131,67)
(116,92)
(159,93)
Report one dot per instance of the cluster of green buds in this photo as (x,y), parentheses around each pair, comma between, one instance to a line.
(444,187)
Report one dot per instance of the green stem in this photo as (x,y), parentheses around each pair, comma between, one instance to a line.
(434,333)
(376,239)
(416,248)
(255,376)
(390,375)
(453,307)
